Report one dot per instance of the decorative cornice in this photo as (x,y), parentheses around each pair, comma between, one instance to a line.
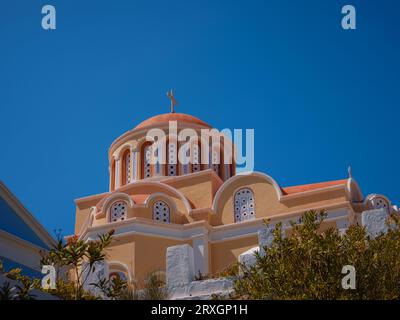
(146,227)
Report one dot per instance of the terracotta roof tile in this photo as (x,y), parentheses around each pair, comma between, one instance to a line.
(312,186)
(163,118)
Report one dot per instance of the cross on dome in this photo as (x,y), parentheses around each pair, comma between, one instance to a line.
(170,95)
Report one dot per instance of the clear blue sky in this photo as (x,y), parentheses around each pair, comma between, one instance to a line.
(319,98)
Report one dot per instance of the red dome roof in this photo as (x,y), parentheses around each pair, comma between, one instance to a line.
(163,118)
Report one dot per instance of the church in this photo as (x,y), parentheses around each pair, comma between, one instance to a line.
(153,205)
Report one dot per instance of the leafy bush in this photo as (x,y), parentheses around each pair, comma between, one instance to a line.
(6,291)
(21,291)
(118,289)
(154,288)
(79,258)
(308,264)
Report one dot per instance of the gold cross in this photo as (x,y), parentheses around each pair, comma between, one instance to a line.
(170,95)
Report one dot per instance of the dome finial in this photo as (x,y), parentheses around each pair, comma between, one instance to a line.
(170,95)
(350,173)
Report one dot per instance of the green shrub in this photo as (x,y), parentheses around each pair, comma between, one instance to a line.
(308,263)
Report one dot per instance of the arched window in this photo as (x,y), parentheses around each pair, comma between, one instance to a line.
(214,159)
(185,161)
(118,211)
(146,160)
(196,166)
(161,211)
(379,203)
(172,159)
(126,167)
(157,164)
(244,205)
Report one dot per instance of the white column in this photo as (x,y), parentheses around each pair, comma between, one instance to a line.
(110,175)
(200,252)
(265,238)
(137,164)
(227,173)
(133,165)
(374,221)
(180,266)
(117,173)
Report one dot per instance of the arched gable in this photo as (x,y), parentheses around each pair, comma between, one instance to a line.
(117,196)
(267,196)
(156,186)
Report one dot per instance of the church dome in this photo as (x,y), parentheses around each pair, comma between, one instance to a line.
(133,156)
(166,117)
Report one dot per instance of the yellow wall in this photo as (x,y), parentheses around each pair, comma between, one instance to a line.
(198,190)
(142,254)
(123,250)
(266,200)
(224,254)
